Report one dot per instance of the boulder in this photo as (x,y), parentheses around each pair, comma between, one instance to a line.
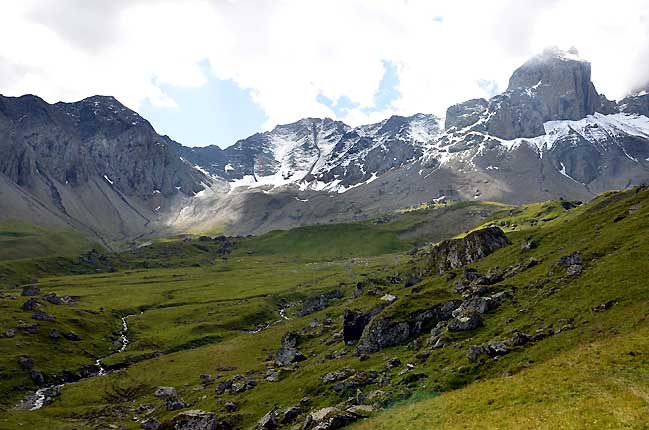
(37,377)
(25,362)
(54,334)
(339,375)
(165,392)
(290,414)
(570,260)
(272,375)
(30,290)
(30,305)
(10,332)
(53,298)
(361,410)
(574,270)
(491,349)
(412,280)
(288,352)
(42,316)
(268,421)
(231,406)
(72,336)
(519,339)
(465,322)
(175,403)
(353,324)
(328,419)
(194,420)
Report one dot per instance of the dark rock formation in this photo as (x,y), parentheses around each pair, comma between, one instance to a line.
(288,352)
(30,305)
(456,253)
(195,420)
(383,332)
(268,421)
(318,303)
(30,290)
(42,316)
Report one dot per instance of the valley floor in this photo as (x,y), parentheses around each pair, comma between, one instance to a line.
(349,316)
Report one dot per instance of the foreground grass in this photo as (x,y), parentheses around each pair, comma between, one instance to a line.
(599,385)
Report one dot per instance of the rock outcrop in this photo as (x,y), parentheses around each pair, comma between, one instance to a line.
(456,253)
(195,420)
(554,85)
(288,352)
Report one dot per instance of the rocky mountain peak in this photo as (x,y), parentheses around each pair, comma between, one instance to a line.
(554,85)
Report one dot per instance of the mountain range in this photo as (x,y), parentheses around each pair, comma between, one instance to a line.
(100,168)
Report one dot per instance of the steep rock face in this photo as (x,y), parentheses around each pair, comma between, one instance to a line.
(97,137)
(93,165)
(368,151)
(319,154)
(637,103)
(554,85)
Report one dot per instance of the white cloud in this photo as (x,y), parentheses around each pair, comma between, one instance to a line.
(289,51)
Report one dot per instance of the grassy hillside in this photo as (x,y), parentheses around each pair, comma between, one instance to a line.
(201,317)
(23,240)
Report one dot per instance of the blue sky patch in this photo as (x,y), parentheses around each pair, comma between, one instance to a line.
(218,112)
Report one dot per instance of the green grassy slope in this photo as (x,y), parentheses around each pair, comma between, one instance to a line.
(22,240)
(198,317)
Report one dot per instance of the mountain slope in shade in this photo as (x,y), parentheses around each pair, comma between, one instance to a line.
(93,165)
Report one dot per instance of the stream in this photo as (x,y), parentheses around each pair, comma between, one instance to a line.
(38,399)
(282,316)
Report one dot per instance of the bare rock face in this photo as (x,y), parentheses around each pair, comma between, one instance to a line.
(637,104)
(383,332)
(465,114)
(456,253)
(554,85)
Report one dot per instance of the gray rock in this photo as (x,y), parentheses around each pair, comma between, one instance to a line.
(328,419)
(519,339)
(381,332)
(574,270)
(290,414)
(456,253)
(53,298)
(150,424)
(465,322)
(195,420)
(42,316)
(231,406)
(318,303)
(30,305)
(288,352)
(30,290)
(268,421)
(165,392)
(175,403)
(569,260)
(272,375)
(10,332)
(37,377)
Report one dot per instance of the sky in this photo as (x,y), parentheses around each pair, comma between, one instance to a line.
(215,71)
